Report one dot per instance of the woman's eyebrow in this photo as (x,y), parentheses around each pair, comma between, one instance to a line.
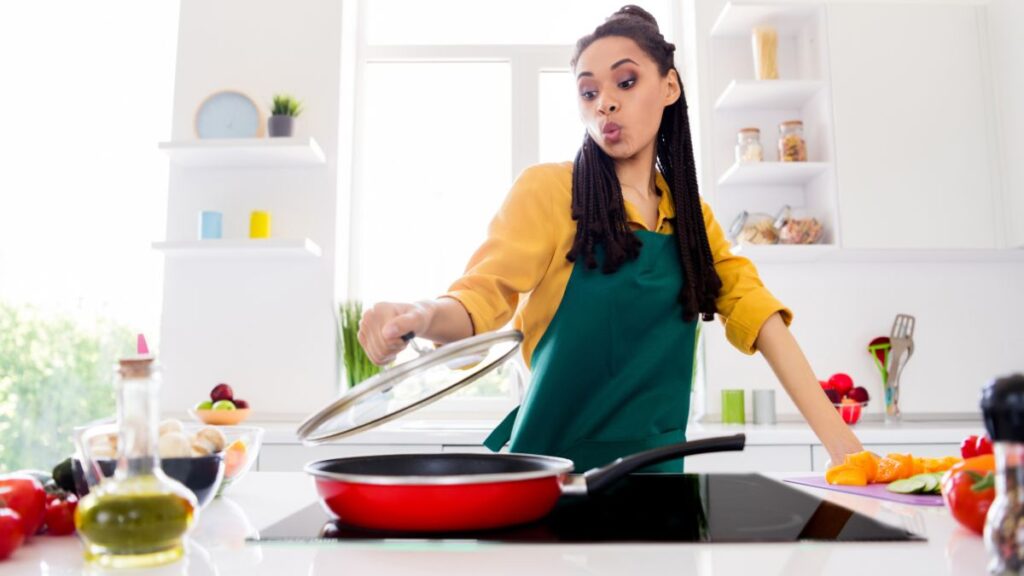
(613,67)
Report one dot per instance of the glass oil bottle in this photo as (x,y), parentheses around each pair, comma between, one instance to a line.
(139,517)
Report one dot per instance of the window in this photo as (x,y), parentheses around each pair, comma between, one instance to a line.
(82,196)
(447,115)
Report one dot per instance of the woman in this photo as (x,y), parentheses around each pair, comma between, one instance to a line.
(617,256)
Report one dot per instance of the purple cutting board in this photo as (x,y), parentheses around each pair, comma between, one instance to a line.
(871,491)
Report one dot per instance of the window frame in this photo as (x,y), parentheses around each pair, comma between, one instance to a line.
(526,63)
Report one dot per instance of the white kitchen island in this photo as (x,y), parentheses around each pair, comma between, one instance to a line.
(217,547)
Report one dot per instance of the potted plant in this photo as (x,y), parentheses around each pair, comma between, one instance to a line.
(358,366)
(283,114)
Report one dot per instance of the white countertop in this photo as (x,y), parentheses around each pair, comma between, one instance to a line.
(472,432)
(217,547)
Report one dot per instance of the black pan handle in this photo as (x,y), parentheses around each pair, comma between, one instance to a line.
(602,478)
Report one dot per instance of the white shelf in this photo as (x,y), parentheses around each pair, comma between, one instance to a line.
(768,94)
(738,18)
(786,252)
(245,152)
(772,173)
(240,248)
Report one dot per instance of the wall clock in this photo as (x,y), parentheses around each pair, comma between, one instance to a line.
(228,114)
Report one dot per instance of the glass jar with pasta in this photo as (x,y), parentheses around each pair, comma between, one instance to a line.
(792,147)
(748,146)
(766,43)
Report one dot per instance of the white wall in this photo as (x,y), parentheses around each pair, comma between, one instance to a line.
(264,326)
(968,313)
(968,329)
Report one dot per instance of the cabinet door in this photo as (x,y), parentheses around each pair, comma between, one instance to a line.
(754,459)
(912,132)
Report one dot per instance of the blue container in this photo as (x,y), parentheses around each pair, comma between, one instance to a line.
(210,225)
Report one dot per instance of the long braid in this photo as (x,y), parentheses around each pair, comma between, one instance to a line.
(600,211)
(597,203)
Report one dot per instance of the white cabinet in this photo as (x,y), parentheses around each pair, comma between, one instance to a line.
(820,456)
(1005,19)
(912,122)
(758,458)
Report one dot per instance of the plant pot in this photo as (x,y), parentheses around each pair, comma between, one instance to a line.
(280,126)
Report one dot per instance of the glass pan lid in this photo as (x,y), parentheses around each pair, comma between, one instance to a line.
(410,386)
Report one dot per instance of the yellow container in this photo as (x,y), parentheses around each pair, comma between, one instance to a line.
(259,224)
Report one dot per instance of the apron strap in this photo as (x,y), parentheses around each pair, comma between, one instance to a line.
(501,435)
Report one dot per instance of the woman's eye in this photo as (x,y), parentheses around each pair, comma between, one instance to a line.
(628,83)
(588,94)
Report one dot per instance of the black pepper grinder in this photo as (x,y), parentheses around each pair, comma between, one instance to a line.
(1002,406)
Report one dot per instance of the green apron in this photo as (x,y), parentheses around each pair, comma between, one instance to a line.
(613,372)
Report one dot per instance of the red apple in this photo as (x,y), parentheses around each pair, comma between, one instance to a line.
(826,385)
(221,392)
(833,396)
(859,394)
(842,383)
(241,404)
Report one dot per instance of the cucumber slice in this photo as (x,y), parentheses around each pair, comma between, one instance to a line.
(911,485)
(931,483)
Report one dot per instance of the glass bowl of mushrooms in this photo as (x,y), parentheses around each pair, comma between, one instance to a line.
(194,455)
(240,453)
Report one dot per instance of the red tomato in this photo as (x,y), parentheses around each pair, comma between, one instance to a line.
(26,496)
(969,494)
(60,515)
(967,447)
(983,446)
(842,383)
(11,532)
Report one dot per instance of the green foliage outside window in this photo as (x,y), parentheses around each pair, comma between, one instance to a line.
(56,372)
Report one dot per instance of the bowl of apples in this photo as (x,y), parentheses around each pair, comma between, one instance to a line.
(849,400)
(222,409)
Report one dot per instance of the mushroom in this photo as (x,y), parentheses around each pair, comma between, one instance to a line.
(208,441)
(174,445)
(171,425)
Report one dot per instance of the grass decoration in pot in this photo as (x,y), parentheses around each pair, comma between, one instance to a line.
(358,366)
(284,111)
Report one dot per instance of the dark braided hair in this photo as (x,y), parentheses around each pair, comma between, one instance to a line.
(597,203)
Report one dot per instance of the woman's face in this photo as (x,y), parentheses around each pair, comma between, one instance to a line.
(622,95)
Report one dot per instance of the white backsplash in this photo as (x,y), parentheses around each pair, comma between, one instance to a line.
(969,318)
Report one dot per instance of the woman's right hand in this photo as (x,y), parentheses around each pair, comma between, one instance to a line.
(382,326)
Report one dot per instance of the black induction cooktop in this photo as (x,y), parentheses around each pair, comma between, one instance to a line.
(649,508)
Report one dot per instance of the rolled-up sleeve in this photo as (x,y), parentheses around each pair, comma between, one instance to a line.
(744,303)
(513,259)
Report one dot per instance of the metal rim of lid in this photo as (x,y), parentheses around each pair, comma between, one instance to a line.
(306,430)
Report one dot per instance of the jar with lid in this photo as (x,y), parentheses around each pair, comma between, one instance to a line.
(1002,406)
(756,228)
(795,227)
(792,147)
(138,517)
(748,146)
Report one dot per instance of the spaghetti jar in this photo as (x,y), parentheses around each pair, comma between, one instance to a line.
(138,517)
(765,41)
(792,147)
(748,146)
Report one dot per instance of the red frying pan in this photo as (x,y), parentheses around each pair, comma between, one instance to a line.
(455,492)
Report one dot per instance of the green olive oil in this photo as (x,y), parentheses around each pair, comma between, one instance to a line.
(134,524)
(138,518)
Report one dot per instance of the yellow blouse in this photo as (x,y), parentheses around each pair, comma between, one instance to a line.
(524,254)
